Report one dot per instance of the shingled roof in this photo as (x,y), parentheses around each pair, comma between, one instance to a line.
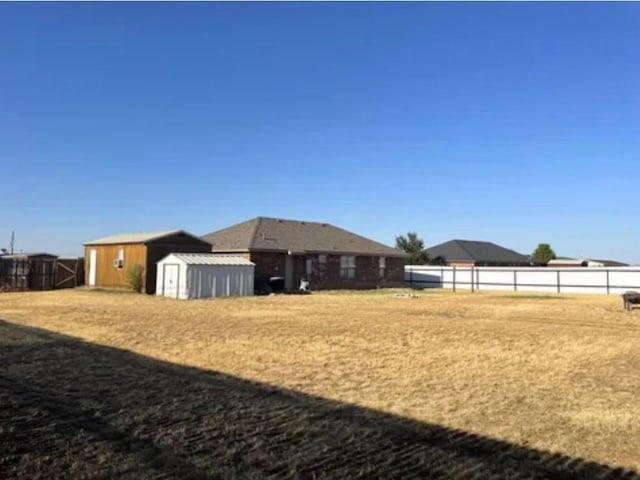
(275,234)
(475,251)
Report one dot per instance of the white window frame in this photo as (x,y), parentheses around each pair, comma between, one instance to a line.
(322,262)
(119,261)
(347,267)
(382,265)
(309,268)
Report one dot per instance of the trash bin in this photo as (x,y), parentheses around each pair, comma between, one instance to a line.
(276,284)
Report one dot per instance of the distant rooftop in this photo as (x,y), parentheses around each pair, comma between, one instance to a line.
(587,261)
(475,251)
(17,256)
(610,263)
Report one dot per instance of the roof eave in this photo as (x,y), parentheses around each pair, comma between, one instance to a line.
(318,252)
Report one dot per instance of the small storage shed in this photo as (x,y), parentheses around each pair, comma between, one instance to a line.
(108,259)
(204,275)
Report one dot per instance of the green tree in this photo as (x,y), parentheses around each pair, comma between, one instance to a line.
(413,246)
(543,253)
(134,277)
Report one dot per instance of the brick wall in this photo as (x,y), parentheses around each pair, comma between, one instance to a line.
(367,275)
(268,264)
(395,272)
(461,263)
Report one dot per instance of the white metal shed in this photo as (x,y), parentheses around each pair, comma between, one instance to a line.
(204,275)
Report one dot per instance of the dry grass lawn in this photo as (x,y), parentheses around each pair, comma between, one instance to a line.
(558,373)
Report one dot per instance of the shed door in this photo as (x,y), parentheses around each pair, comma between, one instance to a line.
(93,260)
(171,276)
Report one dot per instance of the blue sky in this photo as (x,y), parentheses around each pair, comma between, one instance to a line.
(516,123)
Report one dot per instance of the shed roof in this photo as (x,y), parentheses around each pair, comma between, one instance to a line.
(275,234)
(141,237)
(475,251)
(209,259)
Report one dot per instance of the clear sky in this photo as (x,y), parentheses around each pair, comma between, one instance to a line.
(516,123)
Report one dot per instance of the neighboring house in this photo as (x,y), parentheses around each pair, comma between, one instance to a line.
(566,262)
(107,259)
(584,262)
(27,271)
(324,255)
(471,253)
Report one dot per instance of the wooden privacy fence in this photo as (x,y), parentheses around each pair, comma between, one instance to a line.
(607,280)
(40,274)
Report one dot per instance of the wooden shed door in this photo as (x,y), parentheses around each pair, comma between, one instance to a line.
(170,283)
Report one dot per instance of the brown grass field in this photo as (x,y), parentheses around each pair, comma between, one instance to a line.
(328,385)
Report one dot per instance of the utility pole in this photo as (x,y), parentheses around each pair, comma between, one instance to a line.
(12,241)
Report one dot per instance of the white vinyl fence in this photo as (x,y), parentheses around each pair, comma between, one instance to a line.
(609,280)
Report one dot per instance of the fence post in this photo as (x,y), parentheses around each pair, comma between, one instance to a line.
(607,281)
(77,273)
(410,277)
(477,280)
(454,278)
(471,277)
(558,279)
(515,280)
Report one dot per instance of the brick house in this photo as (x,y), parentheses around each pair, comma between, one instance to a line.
(327,256)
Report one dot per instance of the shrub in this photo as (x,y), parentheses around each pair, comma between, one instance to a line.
(134,277)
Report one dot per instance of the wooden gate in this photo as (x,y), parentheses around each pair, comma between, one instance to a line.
(69,272)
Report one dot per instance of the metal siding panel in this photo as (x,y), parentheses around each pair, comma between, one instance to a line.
(183,291)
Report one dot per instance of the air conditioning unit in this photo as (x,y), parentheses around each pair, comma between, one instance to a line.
(118,263)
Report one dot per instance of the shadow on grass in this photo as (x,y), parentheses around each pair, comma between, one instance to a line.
(70,409)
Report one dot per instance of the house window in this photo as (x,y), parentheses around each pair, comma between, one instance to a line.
(347,266)
(381,266)
(322,262)
(309,267)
